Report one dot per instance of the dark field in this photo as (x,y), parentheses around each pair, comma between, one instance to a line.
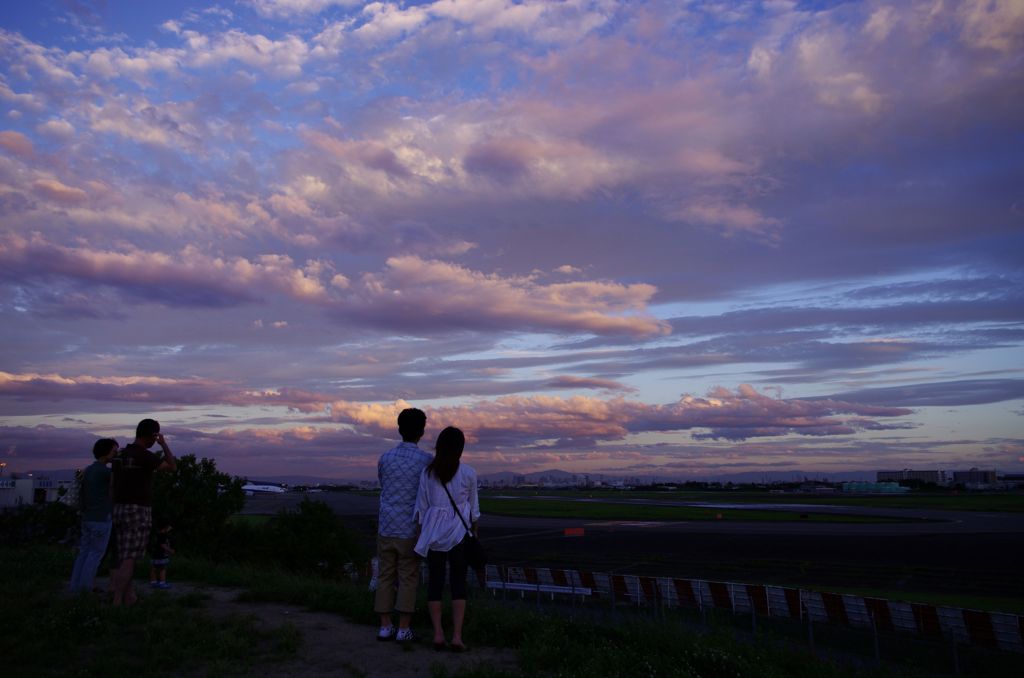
(954,557)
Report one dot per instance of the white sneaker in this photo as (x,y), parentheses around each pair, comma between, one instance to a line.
(386,633)
(404,635)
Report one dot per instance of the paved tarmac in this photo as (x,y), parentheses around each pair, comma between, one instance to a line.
(918,521)
(953,551)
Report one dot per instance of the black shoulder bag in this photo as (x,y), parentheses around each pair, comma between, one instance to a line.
(476,555)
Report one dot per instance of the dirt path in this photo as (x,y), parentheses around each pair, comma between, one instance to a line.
(333,646)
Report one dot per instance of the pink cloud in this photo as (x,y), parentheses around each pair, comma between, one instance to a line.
(517,420)
(412,290)
(187,277)
(16,143)
(53,190)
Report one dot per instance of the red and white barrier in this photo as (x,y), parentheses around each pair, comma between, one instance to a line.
(987,629)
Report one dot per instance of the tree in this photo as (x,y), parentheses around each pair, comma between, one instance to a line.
(197,500)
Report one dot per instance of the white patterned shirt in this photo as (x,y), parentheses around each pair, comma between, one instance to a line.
(398,471)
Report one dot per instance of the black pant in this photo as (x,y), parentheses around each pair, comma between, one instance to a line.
(456,560)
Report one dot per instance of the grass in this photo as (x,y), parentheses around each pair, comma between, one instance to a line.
(1011,502)
(45,634)
(49,634)
(559,508)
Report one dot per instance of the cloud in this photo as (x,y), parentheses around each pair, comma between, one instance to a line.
(992,24)
(510,420)
(57,128)
(524,421)
(281,58)
(294,8)
(944,393)
(573,382)
(55,191)
(16,143)
(187,278)
(415,293)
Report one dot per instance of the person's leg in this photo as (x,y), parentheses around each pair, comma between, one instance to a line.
(136,521)
(124,591)
(457,575)
(458,615)
(408,581)
(74,584)
(384,598)
(436,561)
(121,529)
(95,535)
(152,575)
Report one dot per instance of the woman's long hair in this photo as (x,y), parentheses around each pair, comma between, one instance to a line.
(447,451)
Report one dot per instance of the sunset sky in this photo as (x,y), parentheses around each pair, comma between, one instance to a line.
(683,239)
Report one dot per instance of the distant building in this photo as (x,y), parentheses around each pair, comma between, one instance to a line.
(936,477)
(1013,480)
(974,478)
(864,487)
(18,491)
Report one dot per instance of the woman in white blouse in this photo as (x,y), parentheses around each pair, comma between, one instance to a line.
(444,485)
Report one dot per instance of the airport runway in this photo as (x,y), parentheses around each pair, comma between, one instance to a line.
(918,521)
(952,551)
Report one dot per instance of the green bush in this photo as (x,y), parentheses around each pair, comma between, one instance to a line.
(311,539)
(38,524)
(197,500)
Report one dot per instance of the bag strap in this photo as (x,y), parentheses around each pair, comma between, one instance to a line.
(444,486)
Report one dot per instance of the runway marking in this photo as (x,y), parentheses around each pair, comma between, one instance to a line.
(634,523)
(525,534)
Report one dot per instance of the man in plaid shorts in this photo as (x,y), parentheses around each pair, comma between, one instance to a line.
(133,470)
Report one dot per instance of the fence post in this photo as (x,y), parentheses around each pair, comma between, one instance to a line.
(700,604)
(810,627)
(874,633)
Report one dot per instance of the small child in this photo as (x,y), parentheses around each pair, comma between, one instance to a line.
(159,556)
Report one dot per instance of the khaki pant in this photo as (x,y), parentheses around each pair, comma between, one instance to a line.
(397,560)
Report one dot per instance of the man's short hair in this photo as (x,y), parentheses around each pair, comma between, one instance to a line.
(411,423)
(147,428)
(103,446)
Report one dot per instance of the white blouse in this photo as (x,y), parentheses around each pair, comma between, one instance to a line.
(440,528)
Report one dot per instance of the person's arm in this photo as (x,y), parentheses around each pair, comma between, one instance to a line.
(422,501)
(474,505)
(169,463)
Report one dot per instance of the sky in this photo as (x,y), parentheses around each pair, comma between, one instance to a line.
(672,239)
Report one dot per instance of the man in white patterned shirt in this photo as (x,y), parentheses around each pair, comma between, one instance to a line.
(399,473)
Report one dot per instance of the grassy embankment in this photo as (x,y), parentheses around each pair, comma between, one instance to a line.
(48,634)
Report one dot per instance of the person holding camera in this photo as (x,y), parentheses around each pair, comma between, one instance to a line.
(133,471)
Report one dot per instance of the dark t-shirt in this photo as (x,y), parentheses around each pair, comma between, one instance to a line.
(159,545)
(95,493)
(133,471)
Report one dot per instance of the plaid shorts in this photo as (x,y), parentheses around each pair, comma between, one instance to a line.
(132,523)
